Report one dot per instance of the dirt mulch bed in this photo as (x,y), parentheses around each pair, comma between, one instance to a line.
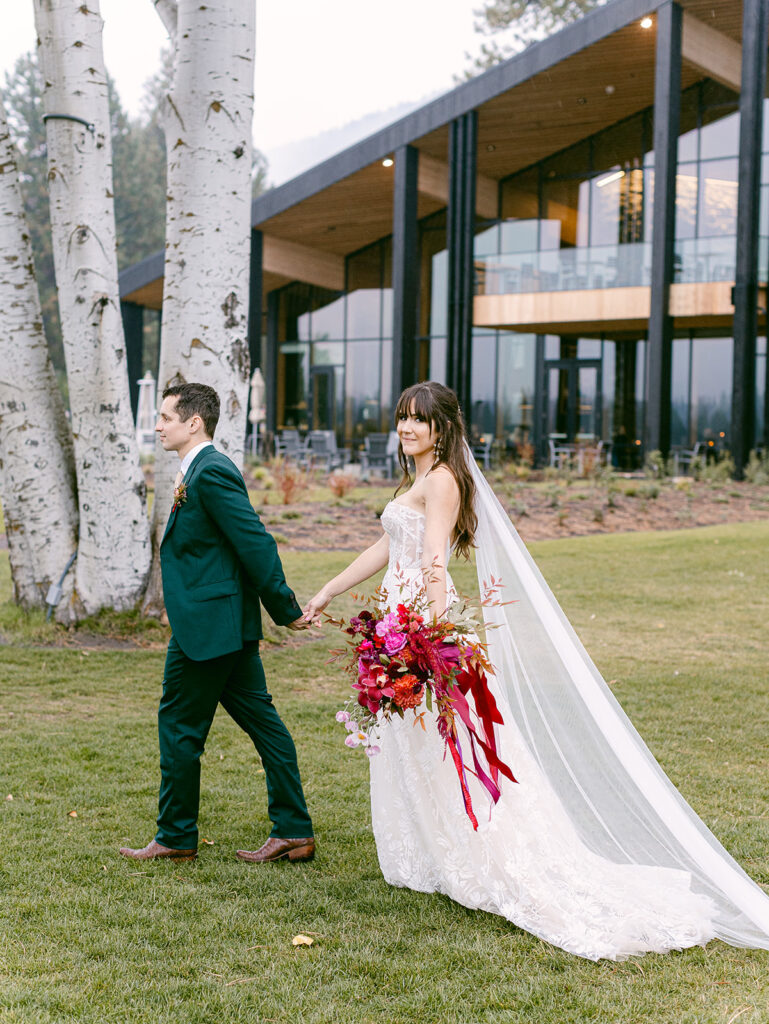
(542,512)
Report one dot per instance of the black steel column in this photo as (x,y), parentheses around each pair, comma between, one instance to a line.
(271,364)
(133,331)
(255,301)
(754,29)
(667,110)
(405,270)
(463,136)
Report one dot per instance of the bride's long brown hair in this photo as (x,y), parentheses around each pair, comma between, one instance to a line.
(437,405)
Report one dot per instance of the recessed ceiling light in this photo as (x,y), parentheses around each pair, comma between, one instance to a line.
(646,23)
(388,162)
(609,90)
(582,100)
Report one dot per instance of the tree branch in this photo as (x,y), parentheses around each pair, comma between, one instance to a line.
(167,11)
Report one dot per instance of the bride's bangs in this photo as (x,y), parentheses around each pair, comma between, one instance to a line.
(417,401)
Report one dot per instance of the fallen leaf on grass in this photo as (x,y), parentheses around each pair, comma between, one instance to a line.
(9,797)
(302,940)
(73,814)
(208,842)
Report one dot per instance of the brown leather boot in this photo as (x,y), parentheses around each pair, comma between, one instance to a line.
(275,848)
(156,850)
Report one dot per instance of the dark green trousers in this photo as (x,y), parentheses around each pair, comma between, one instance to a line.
(191,692)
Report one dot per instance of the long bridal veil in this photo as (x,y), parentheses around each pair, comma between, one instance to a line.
(622,805)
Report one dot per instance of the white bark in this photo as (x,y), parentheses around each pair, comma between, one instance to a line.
(208,116)
(37,471)
(167,13)
(114,550)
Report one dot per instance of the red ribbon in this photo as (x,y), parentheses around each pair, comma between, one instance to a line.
(473,681)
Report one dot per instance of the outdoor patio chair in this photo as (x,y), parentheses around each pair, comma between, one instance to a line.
(322,451)
(482,450)
(377,455)
(290,446)
(560,454)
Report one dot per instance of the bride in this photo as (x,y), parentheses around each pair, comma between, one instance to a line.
(592,849)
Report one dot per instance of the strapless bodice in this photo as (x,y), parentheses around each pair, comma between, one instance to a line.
(405,527)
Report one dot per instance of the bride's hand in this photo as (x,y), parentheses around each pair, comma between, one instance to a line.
(315,606)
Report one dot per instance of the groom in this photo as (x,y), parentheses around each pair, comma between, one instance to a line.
(218,563)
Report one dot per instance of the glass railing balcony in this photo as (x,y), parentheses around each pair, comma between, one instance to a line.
(560,270)
(607,266)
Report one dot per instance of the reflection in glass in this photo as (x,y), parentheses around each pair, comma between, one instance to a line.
(328,353)
(362,413)
(364,313)
(516,362)
(711,403)
(679,393)
(762,428)
(608,382)
(387,407)
(720,132)
(438,360)
(686,201)
(483,385)
(328,321)
(718,198)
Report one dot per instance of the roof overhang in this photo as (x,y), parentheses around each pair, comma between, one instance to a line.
(589,75)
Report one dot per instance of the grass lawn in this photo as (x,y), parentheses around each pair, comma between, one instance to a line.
(678,622)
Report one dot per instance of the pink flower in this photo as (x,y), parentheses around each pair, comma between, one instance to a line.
(389,624)
(372,750)
(395,642)
(342,716)
(352,740)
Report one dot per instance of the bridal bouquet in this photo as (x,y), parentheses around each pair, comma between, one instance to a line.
(405,660)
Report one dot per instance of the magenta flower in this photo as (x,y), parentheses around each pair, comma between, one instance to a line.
(395,642)
(389,624)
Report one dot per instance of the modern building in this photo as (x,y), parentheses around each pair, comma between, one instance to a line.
(576,241)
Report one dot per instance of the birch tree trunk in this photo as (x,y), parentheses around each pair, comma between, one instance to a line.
(37,470)
(114,549)
(207,121)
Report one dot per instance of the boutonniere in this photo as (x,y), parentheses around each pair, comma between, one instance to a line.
(180,496)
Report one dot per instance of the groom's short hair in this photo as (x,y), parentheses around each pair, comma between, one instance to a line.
(196,400)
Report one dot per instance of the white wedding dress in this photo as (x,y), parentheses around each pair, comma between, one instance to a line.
(528,861)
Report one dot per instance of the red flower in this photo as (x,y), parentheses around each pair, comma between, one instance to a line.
(373,687)
(408,691)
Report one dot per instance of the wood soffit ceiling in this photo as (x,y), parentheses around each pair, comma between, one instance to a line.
(537,118)
(541,116)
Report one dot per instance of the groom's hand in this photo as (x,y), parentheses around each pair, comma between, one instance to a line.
(299,624)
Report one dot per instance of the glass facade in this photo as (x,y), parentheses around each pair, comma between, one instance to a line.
(581,219)
(335,350)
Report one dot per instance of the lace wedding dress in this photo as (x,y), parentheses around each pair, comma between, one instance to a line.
(528,861)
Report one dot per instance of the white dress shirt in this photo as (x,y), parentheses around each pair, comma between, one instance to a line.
(187,460)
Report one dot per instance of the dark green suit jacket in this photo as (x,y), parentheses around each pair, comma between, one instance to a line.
(218,563)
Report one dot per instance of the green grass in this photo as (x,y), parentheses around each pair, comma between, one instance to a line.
(676,620)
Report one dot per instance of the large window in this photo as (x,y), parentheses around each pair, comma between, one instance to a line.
(583,218)
(701,391)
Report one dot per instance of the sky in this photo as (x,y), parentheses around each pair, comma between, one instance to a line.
(318,65)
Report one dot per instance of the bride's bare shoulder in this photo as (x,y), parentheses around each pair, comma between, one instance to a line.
(440,486)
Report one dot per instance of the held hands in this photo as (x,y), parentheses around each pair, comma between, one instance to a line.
(315,606)
(298,624)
